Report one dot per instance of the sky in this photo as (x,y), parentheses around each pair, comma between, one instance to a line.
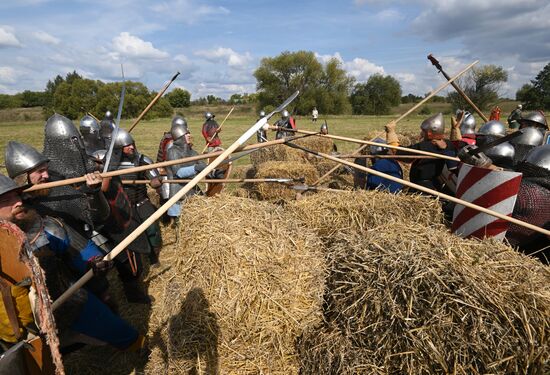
(217,44)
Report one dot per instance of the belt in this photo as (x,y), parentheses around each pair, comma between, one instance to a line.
(142,202)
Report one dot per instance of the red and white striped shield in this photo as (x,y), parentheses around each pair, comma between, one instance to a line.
(495,190)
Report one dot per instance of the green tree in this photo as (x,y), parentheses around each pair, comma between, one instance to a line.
(376,96)
(33,99)
(179,98)
(326,87)
(537,95)
(482,85)
(75,98)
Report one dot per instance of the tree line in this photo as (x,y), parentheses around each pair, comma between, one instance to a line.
(326,86)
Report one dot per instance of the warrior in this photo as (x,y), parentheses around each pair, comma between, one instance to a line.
(534,126)
(285,122)
(142,207)
(106,128)
(89,129)
(210,131)
(83,319)
(387,166)
(463,129)
(165,143)
(427,172)
(515,116)
(261,134)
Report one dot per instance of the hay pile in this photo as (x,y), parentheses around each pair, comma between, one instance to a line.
(329,214)
(244,281)
(417,300)
(277,153)
(275,192)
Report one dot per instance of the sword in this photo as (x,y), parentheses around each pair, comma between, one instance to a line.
(496,142)
(117,125)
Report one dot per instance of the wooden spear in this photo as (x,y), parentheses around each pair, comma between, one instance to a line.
(457,88)
(217,131)
(218,181)
(415,107)
(352,156)
(155,99)
(427,190)
(75,180)
(158,213)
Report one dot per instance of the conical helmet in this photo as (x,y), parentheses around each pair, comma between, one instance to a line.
(21,158)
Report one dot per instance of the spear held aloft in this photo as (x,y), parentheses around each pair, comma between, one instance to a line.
(457,88)
(426,190)
(217,131)
(155,99)
(180,194)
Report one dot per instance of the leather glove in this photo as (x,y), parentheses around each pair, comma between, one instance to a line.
(479,160)
(99,266)
(390,127)
(199,167)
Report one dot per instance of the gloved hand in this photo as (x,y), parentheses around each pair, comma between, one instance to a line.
(199,167)
(99,266)
(479,160)
(217,174)
(155,183)
(390,127)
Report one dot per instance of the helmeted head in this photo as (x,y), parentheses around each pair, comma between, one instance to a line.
(530,137)
(502,155)
(123,139)
(109,115)
(209,116)
(533,119)
(179,128)
(285,114)
(11,206)
(99,156)
(520,106)
(378,150)
(540,156)
(433,127)
(23,162)
(89,129)
(468,125)
(262,113)
(489,132)
(324,128)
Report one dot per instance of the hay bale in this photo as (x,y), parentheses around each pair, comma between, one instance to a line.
(319,144)
(274,191)
(277,153)
(331,213)
(245,280)
(423,301)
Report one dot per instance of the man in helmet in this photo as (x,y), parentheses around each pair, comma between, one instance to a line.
(387,166)
(501,155)
(533,119)
(165,143)
(141,205)
(210,131)
(463,129)
(427,172)
(261,134)
(285,122)
(83,318)
(106,127)
(89,129)
(532,137)
(515,116)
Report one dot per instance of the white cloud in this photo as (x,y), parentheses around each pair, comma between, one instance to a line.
(7,75)
(326,58)
(187,11)
(227,55)
(131,46)
(405,77)
(8,38)
(44,37)
(362,69)
(388,15)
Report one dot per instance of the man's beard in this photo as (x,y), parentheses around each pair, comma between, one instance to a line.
(26,221)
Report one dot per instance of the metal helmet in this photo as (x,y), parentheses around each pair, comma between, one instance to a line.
(502,155)
(7,184)
(535,119)
(493,128)
(209,115)
(21,158)
(468,125)
(89,125)
(540,156)
(179,127)
(109,115)
(520,106)
(378,150)
(324,128)
(99,155)
(531,137)
(123,139)
(262,113)
(285,114)
(434,124)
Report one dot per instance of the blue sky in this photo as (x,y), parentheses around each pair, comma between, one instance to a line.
(217,45)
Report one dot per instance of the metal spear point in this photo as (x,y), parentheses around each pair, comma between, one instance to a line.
(180,194)
(117,125)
